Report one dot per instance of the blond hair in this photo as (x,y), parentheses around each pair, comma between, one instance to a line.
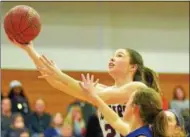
(69,118)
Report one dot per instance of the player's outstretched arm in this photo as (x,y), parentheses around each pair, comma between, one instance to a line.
(70,86)
(34,55)
(110,116)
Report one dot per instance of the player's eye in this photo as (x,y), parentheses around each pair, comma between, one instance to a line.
(119,55)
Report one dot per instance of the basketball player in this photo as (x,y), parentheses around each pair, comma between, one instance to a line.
(125,67)
(175,124)
(143,117)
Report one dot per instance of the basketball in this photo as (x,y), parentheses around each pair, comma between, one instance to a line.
(22,24)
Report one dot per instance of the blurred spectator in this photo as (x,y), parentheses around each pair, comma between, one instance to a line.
(24,134)
(67,129)
(175,123)
(187,128)
(186,116)
(87,109)
(17,126)
(93,127)
(76,118)
(56,127)
(18,99)
(5,115)
(179,102)
(39,120)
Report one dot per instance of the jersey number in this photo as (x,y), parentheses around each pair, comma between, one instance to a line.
(112,133)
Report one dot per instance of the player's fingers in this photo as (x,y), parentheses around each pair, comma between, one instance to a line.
(53,63)
(88,77)
(96,82)
(92,78)
(43,70)
(83,78)
(10,39)
(82,86)
(47,60)
(43,76)
(44,62)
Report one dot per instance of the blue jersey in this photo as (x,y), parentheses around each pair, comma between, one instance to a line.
(143,131)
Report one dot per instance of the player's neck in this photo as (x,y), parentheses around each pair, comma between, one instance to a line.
(122,80)
(135,124)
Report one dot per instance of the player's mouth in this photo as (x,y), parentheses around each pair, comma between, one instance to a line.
(111,65)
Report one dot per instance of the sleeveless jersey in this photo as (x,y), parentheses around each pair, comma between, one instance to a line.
(107,129)
(143,131)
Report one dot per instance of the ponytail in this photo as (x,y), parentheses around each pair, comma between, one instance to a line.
(143,74)
(160,125)
(150,78)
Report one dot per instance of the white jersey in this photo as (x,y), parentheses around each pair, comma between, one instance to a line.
(107,130)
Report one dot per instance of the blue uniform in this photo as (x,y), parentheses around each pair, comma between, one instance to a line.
(143,131)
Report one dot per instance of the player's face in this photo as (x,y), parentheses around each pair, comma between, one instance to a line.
(119,63)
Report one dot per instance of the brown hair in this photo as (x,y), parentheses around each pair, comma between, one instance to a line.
(150,105)
(69,117)
(175,91)
(144,74)
(150,109)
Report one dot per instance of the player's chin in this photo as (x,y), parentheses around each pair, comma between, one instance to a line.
(112,71)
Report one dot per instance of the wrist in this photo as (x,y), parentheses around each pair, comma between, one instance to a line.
(31,51)
(28,49)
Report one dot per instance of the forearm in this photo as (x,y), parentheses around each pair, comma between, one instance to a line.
(33,55)
(69,91)
(111,117)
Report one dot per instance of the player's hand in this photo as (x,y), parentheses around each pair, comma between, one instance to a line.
(88,84)
(49,69)
(23,46)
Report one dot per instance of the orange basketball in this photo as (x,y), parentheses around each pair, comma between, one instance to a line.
(22,23)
